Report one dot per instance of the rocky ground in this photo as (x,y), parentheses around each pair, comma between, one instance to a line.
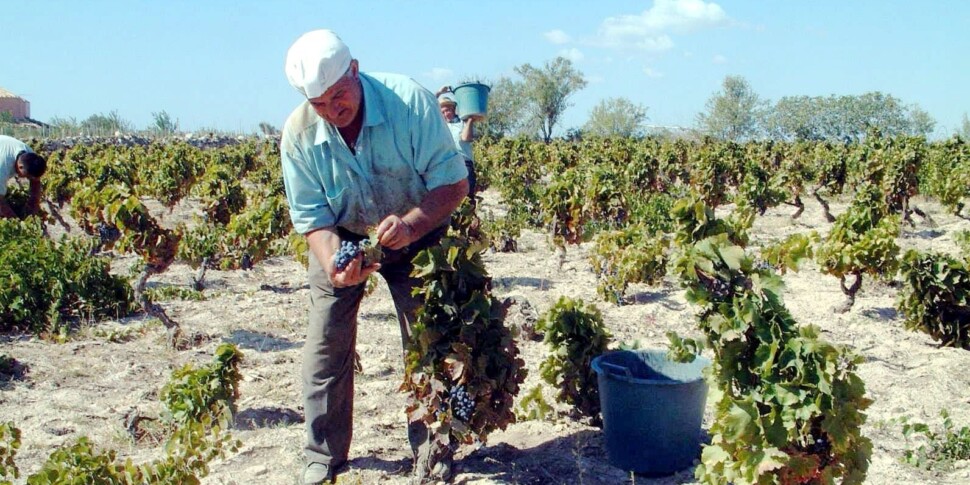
(109,370)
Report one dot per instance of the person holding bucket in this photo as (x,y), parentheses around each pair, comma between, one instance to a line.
(361,150)
(462,131)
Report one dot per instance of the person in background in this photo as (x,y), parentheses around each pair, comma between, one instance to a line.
(362,150)
(462,131)
(18,160)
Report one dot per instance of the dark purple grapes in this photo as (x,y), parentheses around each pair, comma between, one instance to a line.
(462,404)
(108,234)
(347,252)
(719,289)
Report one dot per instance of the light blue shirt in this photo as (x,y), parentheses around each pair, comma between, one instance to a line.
(404,151)
(9,149)
(456,125)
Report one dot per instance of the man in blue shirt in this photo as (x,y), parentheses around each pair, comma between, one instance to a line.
(363,151)
(18,160)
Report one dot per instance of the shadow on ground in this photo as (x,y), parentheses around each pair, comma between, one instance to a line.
(577,458)
(662,297)
(253,418)
(400,466)
(512,281)
(884,313)
(283,289)
(260,342)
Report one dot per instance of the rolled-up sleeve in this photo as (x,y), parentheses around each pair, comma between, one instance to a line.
(309,208)
(437,158)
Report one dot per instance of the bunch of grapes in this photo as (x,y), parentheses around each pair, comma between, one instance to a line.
(108,234)
(718,289)
(462,404)
(347,252)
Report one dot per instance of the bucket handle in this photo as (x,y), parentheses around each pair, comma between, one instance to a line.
(614,367)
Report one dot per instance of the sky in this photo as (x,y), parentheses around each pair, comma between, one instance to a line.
(218,64)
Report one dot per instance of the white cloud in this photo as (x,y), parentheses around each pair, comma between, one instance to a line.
(649,30)
(719,59)
(557,37)
(440,74)
(573,54)
(652,73)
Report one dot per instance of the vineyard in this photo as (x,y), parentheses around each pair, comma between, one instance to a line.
(828,282)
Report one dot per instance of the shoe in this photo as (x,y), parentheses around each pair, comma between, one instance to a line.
(319,474)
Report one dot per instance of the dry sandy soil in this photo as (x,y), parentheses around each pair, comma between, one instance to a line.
(88,385)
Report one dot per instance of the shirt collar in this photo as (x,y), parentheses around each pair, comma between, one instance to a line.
(373,112)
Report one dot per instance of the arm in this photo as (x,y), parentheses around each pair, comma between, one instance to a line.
(467,132)
(5,210)
(33,201)
(396,232)
(324,243)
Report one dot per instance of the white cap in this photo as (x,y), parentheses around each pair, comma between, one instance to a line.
(316,61)
(447,98)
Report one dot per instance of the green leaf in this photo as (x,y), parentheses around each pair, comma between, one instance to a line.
(732,256)
(738,422)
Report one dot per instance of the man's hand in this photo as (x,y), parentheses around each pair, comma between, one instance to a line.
(353,274)
(394,233)
(324,243)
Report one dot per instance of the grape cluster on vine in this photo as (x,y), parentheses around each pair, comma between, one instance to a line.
(462,404)
(107,233)
(719,289)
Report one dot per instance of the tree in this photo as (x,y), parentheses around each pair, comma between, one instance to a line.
(849,117)
(64,126)
(163,123)
(546,92)
(920,122)
(734,113)
(878,110)
(105,124)
(267,129)
(616,117)
(964,131)
(796,117)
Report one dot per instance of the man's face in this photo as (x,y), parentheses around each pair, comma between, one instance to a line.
(341,102)
(21,170)
(447,111)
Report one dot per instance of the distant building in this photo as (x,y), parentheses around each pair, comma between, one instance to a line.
(15,105)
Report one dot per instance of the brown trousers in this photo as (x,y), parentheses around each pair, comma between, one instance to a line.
(328,354)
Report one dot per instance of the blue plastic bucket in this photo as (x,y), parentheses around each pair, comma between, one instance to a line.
(652,410)
(472,99)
